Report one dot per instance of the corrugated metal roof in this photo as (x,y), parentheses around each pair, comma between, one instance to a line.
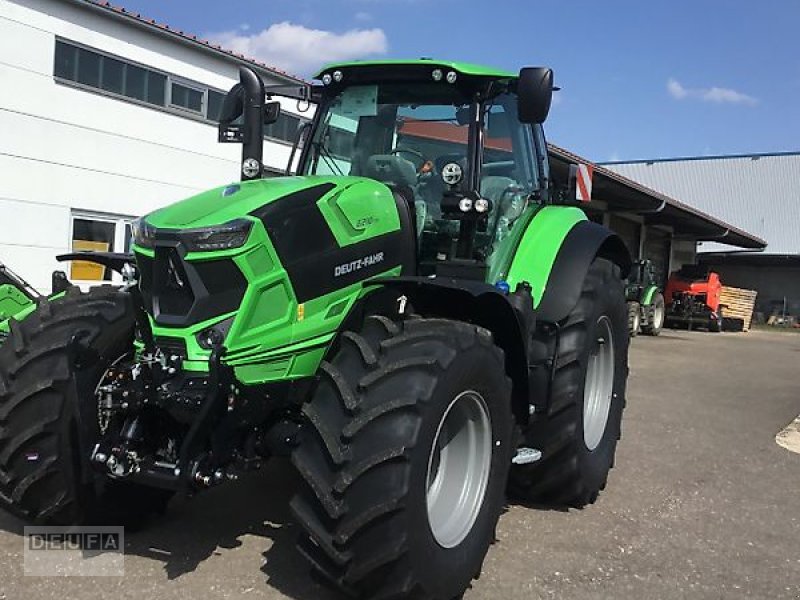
(179,35)
(626,194)
(758,193)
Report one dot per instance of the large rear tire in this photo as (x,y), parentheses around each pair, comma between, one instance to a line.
(405,459)
(49,369)
(578,435)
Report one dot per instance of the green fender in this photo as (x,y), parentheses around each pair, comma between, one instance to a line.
(553,255)
(12,301)
(648,295)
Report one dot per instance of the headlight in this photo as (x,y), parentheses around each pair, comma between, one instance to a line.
(219,237)
(143,233)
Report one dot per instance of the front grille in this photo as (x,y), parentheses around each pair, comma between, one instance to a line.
(180,293)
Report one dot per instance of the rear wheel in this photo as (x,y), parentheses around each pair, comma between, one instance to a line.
(49,370)
(405,459)
(657,311)
(578,435)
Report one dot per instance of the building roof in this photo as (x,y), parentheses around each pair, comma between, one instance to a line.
(163,29)
(759,193)
(624,194)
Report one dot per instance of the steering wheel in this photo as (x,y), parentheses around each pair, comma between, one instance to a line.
(417,154)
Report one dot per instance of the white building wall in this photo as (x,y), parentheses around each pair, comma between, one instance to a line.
(65,149)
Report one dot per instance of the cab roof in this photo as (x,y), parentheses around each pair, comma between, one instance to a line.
(461,68)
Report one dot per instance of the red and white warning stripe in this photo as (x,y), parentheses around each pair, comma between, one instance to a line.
(583,189)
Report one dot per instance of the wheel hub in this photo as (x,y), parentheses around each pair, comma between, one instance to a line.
(458,468)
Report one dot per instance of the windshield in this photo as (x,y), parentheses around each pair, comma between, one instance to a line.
(405,134)
(388,121)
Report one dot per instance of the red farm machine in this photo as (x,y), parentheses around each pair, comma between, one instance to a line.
(693,298)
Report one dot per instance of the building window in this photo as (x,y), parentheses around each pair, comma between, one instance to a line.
(186,97)
(98,233)
(285,128)
(214,108)
(101,72)
(122,78)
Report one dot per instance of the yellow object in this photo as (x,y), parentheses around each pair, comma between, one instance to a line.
(83,270)
(301,312)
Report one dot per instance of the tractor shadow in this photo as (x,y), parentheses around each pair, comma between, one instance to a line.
(196,529)
(193,530)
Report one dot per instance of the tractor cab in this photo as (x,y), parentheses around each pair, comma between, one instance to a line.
(461,146)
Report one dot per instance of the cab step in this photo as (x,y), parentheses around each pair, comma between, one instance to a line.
(526,456)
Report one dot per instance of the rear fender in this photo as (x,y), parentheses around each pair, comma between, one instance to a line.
(649,294)
(556,261)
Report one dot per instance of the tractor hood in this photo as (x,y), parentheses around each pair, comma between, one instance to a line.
(224,204)
(227,249)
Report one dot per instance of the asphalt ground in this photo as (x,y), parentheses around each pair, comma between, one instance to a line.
(702,504)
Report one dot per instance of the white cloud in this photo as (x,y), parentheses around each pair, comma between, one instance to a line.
(298,49)
(676,90)
(363,16)
(718,95)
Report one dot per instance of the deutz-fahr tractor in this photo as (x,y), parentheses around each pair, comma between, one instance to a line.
(645,301)
(413,319)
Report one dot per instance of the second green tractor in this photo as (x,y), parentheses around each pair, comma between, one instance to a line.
(646,307)
(416,319)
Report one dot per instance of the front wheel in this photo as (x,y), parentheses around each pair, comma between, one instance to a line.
(405,459)
(578,434)
(49,371)
(634,318)
(657,311)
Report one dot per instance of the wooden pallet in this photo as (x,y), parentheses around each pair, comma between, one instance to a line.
(738,304)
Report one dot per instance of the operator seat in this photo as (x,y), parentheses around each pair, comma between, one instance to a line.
(391,169)
(493,188)
(400,174)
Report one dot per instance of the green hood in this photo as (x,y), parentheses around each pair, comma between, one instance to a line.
(233,201)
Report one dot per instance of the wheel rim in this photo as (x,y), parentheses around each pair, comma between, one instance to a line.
(636,322)
(658,316)
(458,468)
(599,385)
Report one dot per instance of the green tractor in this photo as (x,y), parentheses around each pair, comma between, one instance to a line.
(645,300)
(18,298)
(413,319)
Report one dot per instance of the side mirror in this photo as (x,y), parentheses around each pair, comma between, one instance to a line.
(535,93)
(246,100)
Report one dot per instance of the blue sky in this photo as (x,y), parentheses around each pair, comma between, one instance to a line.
(652,79)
